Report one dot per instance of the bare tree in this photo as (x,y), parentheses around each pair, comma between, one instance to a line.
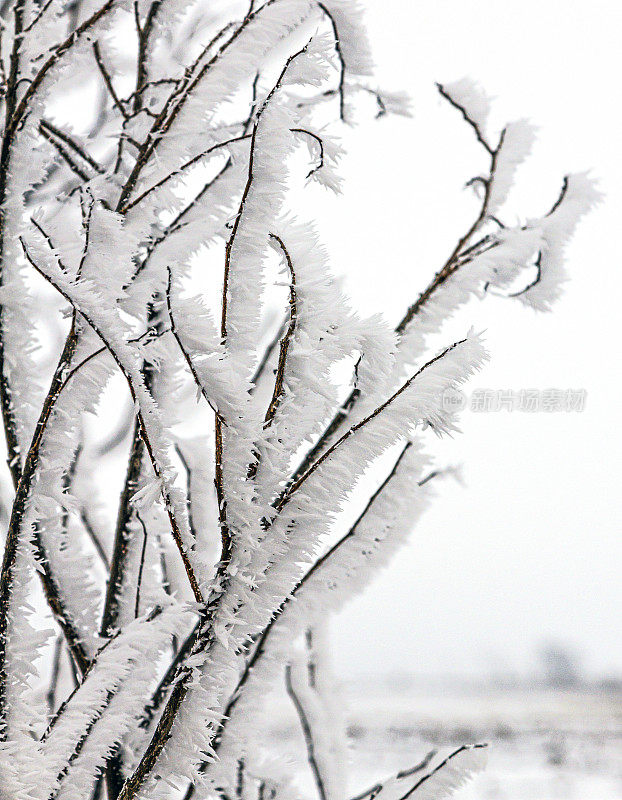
(137,645)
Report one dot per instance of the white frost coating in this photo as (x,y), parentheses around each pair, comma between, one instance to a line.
(353,41)
(395,103)
(236,64)
(223,386)
(103,705)
(190,742)
(287,545)
(249,247)
(19,754)
(439,780)
(51,508)
(324,491)
(25,168)
(326,331)
(69,565)
(291,563)
(91,300)
(108,262)
(312,67)
(339,573)
(109,244)
(501,260)
(356,557)
(293,537)
(200,224)
(18,330)
(226,388)
(579,197)
(318,718)
(469,95)
(327,175)
(517,142)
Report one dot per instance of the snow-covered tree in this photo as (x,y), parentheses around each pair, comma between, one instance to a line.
(150,163)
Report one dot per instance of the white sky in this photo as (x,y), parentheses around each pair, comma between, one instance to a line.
(530,550)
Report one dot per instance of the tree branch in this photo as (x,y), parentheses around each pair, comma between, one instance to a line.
(14,534)
(342,63)
(124,209)
(308,734)
(141,566)
(262,640)
(290,490)
(277,392)
(49,131)
(459,257)
(143,432)
(165,118)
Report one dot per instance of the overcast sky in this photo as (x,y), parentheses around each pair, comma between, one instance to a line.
(531,549)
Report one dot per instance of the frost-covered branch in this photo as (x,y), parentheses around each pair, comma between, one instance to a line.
(139,639)
(299,704)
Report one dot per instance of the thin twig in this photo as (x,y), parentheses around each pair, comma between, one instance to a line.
(535,281)
(67,482)
(56,661)
(451,264)
(144,32)
(277,394)
(86,226)
(372,792)
(278,390)
(66,156)
(342,62)
(466,116)
(289,491)
(175,529)
(440,767)
(96,541)
(188,471)
(239,784)
(48,239)
(124,209)
(47,127)
(38,16)
(262,639)
(141,565)
(182,347)
(168,678)
(267,355)
(177,223)
(319,141)
(308,734)
(455,261)
(108,80)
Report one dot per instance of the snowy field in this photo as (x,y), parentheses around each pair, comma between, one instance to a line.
(545,745)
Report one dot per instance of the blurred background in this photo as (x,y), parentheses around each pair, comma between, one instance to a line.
(502,617)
